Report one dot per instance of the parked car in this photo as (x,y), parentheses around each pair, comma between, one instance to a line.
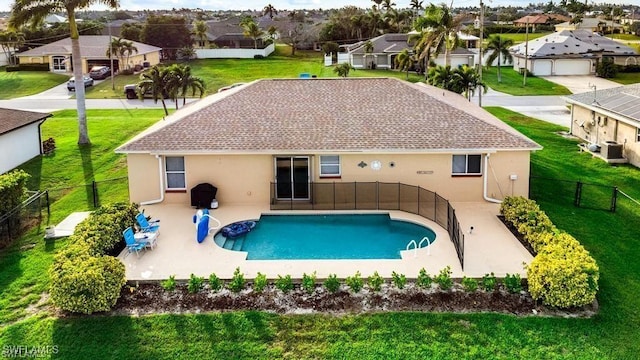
(99,72)
(71,84)
(131,92)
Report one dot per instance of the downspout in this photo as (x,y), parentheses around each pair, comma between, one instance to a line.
(484,181)
(161,199)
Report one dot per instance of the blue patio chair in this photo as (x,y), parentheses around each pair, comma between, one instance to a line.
(132,244)
(147,226)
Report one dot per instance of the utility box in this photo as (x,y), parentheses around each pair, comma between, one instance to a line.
(611,150)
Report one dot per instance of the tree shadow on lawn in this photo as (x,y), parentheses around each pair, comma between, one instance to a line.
(227,335)
(89,178)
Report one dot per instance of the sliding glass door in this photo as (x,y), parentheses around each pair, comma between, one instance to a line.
(292,177)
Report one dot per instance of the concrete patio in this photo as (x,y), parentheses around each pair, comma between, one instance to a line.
(490,247)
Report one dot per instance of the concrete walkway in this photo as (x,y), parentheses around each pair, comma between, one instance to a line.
(582,83)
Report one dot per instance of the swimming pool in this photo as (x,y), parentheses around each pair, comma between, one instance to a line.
(330,236)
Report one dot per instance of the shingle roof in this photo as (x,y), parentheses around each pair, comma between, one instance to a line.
(557,44)
(14,119)
(387,43)
(623,100)
(316,115)
(91,46)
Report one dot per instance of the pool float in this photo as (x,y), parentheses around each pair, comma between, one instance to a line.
(238,228)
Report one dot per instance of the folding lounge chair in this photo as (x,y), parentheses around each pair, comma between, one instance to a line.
(132,244)
(146,226)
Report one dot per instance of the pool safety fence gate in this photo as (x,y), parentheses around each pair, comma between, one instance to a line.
(27,214)
(374,196)
(581,194)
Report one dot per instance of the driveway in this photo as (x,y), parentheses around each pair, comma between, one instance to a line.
(582,83)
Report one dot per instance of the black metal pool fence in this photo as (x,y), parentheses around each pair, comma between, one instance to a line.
(373,196)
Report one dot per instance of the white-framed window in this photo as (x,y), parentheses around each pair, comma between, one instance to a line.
(175,173)
(466,164)
(330,165)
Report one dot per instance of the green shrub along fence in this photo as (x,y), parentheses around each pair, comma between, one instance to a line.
(84,278)
(31,212)
(563,273)
(581,194)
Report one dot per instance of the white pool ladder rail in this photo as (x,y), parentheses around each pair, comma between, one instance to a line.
(417,246)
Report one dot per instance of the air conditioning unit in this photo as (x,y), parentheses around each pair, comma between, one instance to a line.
(611,150)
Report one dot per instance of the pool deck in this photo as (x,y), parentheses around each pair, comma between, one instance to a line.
(490,247)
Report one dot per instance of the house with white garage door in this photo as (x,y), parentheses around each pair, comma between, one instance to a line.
(568,52)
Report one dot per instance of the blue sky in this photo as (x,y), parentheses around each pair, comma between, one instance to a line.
(296,4)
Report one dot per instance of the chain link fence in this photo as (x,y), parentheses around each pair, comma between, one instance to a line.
(33,211)
(581,194)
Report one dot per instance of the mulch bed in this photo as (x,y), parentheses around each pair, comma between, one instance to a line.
(518,236)
(151,298)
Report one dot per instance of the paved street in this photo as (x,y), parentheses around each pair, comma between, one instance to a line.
(548,108)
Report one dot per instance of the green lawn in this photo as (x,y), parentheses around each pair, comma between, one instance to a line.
(512,83)
(217,73)
(22,83)
(23,274)
(627,78)
(628,37)
(520,38)
(612,334)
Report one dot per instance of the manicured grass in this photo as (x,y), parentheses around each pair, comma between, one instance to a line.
(610,237)
(23,83)
(520,38)
(627,78)
(23,273)
(218,73)
(631,37)
(512,83)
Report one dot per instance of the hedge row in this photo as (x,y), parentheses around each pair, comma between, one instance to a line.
(13,190)
(84,278)
(562,274)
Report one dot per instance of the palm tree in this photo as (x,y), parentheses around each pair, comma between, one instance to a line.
(415,5)
(200,29)
(121,49)
(443,77)
(404,61)
(368,49)
(10,41)
(343,69)
(155,83)
(181,81)
(387,5)
(29,11)
(469,80)
(500,46)
(272,31)
(438,31)
(269,10)
(252,30)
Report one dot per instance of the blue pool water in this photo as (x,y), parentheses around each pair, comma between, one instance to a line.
(361,236)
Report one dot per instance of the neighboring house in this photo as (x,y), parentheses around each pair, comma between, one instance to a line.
(300,132)
(386,47)
(93,49)
(591,24)
(569,53)
(540,19)
(20,138)
(609,118)
(630,18)
(225,39)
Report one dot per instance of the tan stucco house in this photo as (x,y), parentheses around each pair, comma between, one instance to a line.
(609,118)
(298,132)
(93,49)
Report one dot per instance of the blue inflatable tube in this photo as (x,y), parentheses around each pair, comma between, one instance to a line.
(238,229)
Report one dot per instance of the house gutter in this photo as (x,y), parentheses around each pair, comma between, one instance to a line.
(484,181)
(161,199)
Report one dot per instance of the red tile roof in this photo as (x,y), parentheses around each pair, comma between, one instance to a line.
(321,115)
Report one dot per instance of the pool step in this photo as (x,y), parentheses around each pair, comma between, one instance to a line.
(228,244)
(237,246)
